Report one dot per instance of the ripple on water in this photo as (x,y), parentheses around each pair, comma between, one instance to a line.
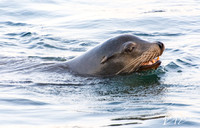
(155,11)
(142,117)
(18,101)
(21,35)
(44,45)
(48,58)
(11,34)
(10,23)
(31,92)
(186,63)
(33,40)
(135,120)
(172,66)
(138,33)
(26,34)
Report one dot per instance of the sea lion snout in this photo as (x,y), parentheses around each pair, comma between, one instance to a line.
(160,44)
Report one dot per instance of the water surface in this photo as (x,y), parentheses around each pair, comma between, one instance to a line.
(34,34)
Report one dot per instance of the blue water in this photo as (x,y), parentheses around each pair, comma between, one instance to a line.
(35,33)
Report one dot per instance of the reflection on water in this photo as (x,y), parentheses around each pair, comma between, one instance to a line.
(36,34)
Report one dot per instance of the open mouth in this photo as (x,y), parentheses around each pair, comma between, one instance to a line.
(152,64)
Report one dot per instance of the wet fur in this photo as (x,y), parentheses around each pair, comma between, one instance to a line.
(115,57)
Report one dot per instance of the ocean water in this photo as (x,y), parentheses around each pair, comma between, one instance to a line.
(36,33)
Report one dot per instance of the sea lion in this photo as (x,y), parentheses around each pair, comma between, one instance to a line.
(123,54)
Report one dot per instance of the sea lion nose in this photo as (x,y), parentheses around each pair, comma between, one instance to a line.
(160,44)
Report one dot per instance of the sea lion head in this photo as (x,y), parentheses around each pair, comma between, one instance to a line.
(127,53)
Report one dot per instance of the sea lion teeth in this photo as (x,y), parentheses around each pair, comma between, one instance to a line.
(153,61)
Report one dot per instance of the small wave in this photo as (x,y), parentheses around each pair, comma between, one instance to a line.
(48,58)
(22,34)
(173,66)
(138,33)
(11,34)
(155,11)
(23,101)
(135,119)
(186,63)
(48,37)
(33,40)
(72,45)
(145,117)
(25,34)
(125,124)
(175,104)
(12,82)
(9,23)
(58,84)
(115,103)
(43,45)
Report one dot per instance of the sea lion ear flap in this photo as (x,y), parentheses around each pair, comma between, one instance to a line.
(128,46)
(106,58)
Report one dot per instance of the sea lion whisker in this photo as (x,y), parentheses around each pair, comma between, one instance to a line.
(150,56)
(139,62)
(127,66)
(136,65)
